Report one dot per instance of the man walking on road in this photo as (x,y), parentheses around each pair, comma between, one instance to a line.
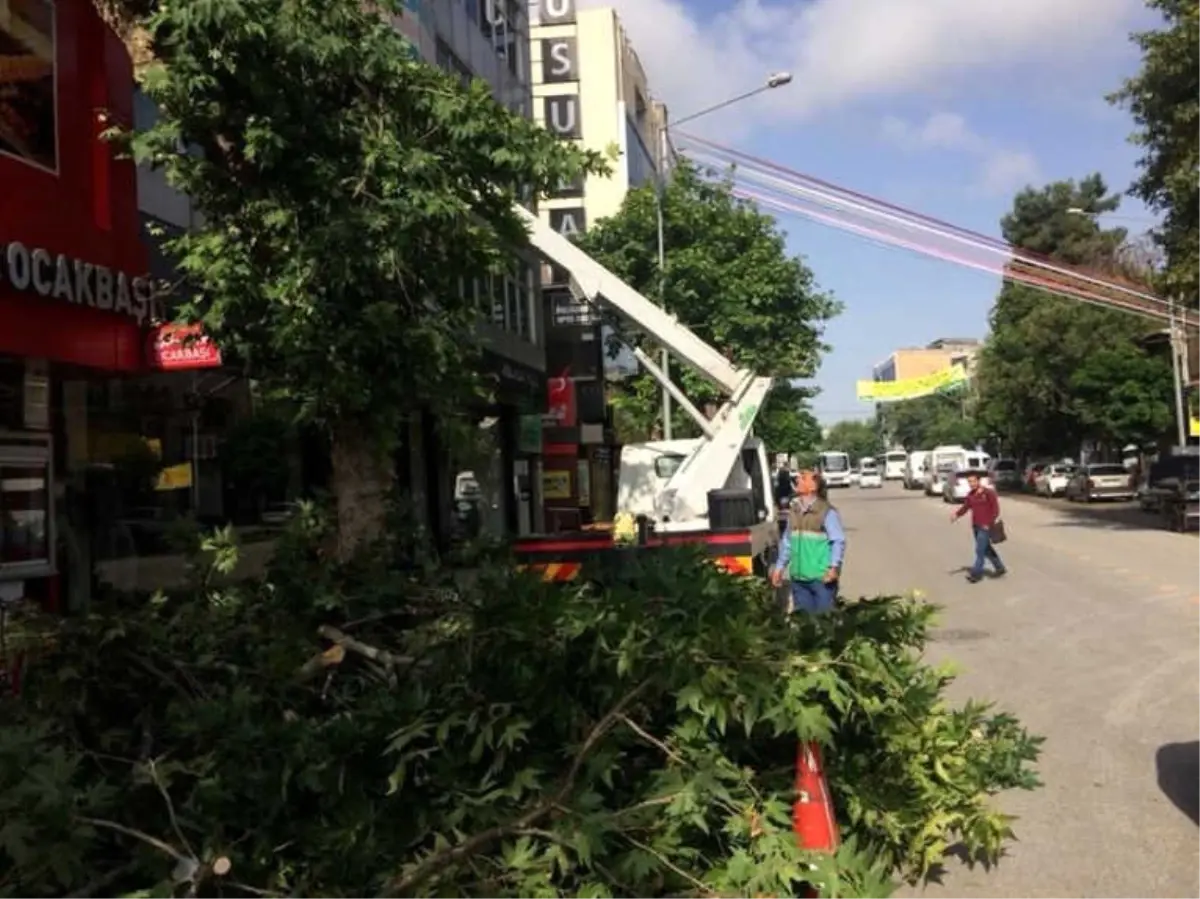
(811,549)
(984,506)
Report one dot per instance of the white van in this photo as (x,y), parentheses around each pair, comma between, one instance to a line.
(941,461)
(868,473)
(835,468)
(914,471)
(893,465)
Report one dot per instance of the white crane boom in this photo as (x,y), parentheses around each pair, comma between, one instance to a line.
(708,467)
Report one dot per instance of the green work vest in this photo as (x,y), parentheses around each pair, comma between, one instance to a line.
(811,551)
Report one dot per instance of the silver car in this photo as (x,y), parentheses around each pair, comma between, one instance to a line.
(1101,481)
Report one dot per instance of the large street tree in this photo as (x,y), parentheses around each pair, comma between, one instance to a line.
(1055,372)
(728,276)
(941,419)
(786,425)
(1164,98)
(345,189)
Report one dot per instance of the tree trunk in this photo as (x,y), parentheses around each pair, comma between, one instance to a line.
(362,479)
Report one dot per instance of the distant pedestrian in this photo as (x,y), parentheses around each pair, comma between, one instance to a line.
(812,548)
(984,506)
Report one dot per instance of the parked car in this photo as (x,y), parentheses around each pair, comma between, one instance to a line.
(1100,481)
(1172,490)
(1053,479)
(955,487)
(1032,472)
(1005,474)
(869,474)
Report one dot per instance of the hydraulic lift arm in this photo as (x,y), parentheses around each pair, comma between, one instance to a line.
(709,466)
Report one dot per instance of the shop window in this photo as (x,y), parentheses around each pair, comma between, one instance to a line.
(25,522)
(28,123)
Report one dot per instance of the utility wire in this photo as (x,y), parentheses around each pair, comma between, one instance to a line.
(832,197)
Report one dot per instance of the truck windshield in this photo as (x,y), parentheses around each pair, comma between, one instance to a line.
(835,462)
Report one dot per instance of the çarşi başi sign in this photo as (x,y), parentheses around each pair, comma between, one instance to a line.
(61,277)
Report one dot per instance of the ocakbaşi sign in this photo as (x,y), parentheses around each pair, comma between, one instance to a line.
(61,277)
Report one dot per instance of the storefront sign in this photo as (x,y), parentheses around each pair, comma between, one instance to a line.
(570,221)
(568,188)
(556,12)
(514,375)
(559,60)
(529,434)
(556,484)
(560,116)
(568,312)
(182,348)
(561,401)
(60,277)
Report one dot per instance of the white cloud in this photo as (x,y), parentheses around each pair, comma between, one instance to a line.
(843,52)
(1001,169)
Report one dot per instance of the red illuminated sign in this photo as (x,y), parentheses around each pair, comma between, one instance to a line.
(181,348)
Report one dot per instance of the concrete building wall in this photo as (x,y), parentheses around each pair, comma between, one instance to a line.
(915,362)
(614,110)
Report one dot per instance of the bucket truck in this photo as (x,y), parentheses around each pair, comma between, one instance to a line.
(714,490)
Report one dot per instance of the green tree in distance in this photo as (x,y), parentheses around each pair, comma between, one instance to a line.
(728,277)
(858,439)
(929,421)
(1164,98)
(345,189)
(1032,388)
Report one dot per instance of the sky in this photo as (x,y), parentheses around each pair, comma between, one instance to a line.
(947,107)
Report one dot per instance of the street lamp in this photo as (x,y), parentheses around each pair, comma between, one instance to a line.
(774,80)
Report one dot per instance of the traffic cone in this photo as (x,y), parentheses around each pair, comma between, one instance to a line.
(812,814)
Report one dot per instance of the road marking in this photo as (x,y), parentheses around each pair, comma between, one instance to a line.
(1120,571)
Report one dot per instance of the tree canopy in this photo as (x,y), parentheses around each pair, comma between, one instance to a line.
(1164,98)
(858,439)
(345,188)
(728,276)
(929,421)
(1055,372)
(785,423)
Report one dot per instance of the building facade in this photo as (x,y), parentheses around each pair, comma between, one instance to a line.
(916,362)
(485,480)
(99,433)
(590,88)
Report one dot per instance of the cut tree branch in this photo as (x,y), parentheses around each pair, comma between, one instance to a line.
(440,861)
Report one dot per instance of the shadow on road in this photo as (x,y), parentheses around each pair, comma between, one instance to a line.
(1112,516)
(958,851)
(1177,766)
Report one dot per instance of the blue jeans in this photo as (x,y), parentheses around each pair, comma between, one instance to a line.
(984,551)
(812,596)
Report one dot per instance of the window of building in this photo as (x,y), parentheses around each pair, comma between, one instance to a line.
(448,61)
(639,161)
(28,122)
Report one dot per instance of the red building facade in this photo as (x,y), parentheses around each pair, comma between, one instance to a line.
(97,443)
(72,266)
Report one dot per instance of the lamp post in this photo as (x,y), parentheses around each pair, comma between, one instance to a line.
(776,79)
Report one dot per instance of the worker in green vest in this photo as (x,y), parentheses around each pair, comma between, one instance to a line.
(811,549)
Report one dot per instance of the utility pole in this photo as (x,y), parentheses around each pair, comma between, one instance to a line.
(664,361)
(1178,353)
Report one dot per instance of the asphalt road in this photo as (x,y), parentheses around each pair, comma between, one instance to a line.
(1093,640)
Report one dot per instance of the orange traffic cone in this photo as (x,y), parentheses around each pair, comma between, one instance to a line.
(812,814)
